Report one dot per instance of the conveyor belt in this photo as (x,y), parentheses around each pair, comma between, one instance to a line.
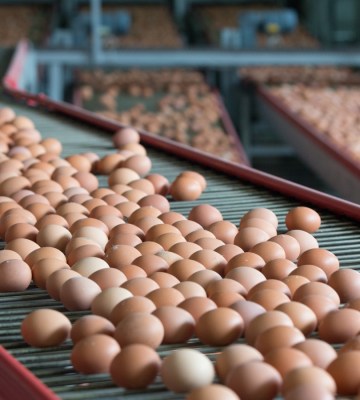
(231,195)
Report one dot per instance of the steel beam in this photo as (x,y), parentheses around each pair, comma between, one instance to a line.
(193,58)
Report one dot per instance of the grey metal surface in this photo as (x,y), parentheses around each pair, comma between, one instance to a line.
(232,196)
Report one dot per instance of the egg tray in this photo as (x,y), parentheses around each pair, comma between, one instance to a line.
(126,102)
(232,195)
(332,163)
(203,30)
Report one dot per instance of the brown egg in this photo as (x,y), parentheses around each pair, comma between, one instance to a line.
(247,238)
(268,298)
(229,251)
(179,325)
(143,185)
(140,286)
(197,306)
(138,163)
(205,215)
(79,162)
(134,195)
(316,288)
(121,255)
(248,310)
(78,293)
(311,272)
(186,227)
(303,218)
(6,255)
(126,228)
(111,221)
(320,352)
(22,246)
(123,176)
(108,277)
(45,328)
(108,163)
(132,271)
(149,247)
(90,325)
(321,258)
(171,217)
(210,259)
(320,304)
(87,180)
(225,285)
(42,269)
(185,369)
(165,297)
(224,230)
(185,189)
(262,213)
(21,230)
(285,359)
(168,256)
(55,281)
(86,250)
(269,251)
(201,234)
(139,328)
(271,284)
(278,268)
(266,321)
(105,302)
(247,259)
(135,367)
(338,326)
(247,276)
(346,283)
(294,282)
(308,375)
(164,279)
(129,306)
(212,392)
(278,337)
(167,240)
(93,354)
(219,327)
(13,184)
(289,244)
(254,380)
(53,235)
(160,182)
(204,276)
(233,356)
(310,391)
(197,176)
(305,239)
(146,223)
(301,315)
(15,275)
(124,136)
(259,223)
(183,269)
(155,200)
(226,299)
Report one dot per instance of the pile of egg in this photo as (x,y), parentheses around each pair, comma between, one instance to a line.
(270,305)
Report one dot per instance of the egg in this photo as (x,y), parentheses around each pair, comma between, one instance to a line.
(254,380)
(248,237)
(212,392)
(131,305)
(179,324)
(285,359)
(93,354)
(205,215)
(302,316)
(107,299)
(139,328)
(308,375)
(219,327)
(140,286)
(78,293)
(135,367)
(108,277)
(320,352)
(185,189)
(90,325)
(233,356)
(247,259)
(15,275)
(186,369)
(321,258)
(303,218)
(45,328)
(346,283)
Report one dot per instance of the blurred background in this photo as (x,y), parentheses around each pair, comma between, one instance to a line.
(270,84)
